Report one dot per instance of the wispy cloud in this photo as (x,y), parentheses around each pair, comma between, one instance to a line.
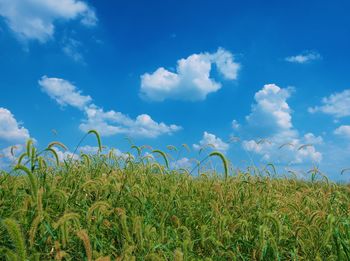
(64,92)
(305,57)
(71,48)
(108,123)
(235,125)
(191,81)
(337,105)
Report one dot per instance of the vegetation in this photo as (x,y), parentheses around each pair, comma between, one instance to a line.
(109,207)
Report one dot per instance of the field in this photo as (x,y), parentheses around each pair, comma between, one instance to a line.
(108,207)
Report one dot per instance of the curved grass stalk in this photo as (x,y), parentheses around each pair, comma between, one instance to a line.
(97,135)
(163,155)
(21,157)
(29,146)
(16,236)
(209,145)
(344,171)
(58,144)
(82,234)
(32,180)
(86,159)
(276,224)
(65,218)
(138,149)
(33,229)
(102,206)
(54,153)
(223,159)
(171,148)
(82,139)
(273,168)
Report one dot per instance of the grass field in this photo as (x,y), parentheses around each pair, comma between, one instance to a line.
(108,207)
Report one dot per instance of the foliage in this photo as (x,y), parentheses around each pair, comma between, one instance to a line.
(109,207)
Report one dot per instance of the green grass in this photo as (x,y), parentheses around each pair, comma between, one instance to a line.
(105,207)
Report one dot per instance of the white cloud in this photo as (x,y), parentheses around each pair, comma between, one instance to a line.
(63,92)
(211,140)
(110,123)
(71,49)
(225,63)
(271,111)
(10,129)
(118,153)
(305,57)
(87,149)
(337,104)
(285,149)
(271,117)
(235,125)
(35,19)
(192,80)
(343,130)
(6,153)
(65,155)
(8,156)
(12,135)
(183,163)
(93,150)
(310,138)
(107,123)
(308,153)
(89,18)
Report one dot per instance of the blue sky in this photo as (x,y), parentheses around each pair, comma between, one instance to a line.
(173,72)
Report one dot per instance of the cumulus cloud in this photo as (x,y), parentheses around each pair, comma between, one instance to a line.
(337,104)
(12,135)
(211,140)
(35,19)
(10,130)
(192,80)
(107,123)
(343,130)
(271,112)
(271,117)
(310,138)
(285,149)
(305,57)
(63,92)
